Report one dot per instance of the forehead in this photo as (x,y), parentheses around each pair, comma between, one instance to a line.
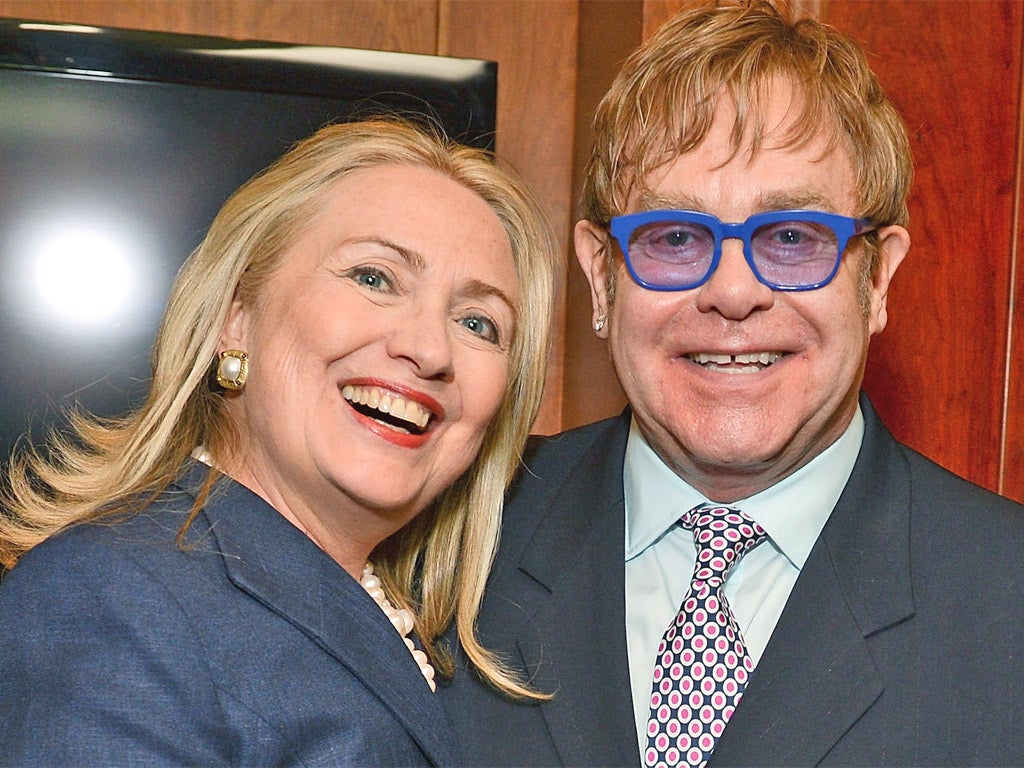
(434,224)
(410,189)
(417,205)
(764,154)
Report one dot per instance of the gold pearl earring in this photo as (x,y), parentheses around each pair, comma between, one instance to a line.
(232,369)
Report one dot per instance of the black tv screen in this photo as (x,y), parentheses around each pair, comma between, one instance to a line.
(118,147)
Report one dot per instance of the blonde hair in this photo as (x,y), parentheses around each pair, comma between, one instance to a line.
(438,564)
(664,99)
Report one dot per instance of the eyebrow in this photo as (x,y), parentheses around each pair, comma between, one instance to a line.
(480,289)
(414,259)
(772,201)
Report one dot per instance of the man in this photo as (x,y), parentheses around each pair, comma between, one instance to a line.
(745,210)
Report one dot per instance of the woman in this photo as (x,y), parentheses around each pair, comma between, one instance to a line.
(374,310)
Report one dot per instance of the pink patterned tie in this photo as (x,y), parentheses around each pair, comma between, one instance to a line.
(702,666)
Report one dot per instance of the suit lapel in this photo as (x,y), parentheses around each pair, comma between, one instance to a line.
(578,648)
(817,677)
(275,563)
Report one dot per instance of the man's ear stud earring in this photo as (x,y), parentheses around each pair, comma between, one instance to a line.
(599,322)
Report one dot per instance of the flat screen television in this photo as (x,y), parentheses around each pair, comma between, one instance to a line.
(118,147)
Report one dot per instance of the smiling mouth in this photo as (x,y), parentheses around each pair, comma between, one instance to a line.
(386,408)
(747,363)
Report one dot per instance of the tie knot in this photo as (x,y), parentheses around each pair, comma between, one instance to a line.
(722,535)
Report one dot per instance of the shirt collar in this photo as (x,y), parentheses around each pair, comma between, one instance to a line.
(793,511)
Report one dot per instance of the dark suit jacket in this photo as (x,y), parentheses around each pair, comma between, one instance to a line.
(250,648)
(902,642)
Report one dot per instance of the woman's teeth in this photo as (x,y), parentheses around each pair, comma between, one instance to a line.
(397,409)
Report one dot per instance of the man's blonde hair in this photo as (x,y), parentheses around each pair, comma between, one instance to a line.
(664,99)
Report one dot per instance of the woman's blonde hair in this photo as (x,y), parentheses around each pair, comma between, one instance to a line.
(436,565)
(664,100)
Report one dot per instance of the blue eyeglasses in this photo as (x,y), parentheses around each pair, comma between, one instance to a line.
(786,250)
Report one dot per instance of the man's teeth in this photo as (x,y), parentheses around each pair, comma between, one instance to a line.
(385,402)
(748,362)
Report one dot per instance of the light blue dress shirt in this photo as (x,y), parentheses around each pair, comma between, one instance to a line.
(660,553)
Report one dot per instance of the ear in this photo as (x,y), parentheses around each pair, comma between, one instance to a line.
(234,333)
(591,243)
(894,244)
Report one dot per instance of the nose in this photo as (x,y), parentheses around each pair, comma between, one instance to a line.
(422,338)
(733,290)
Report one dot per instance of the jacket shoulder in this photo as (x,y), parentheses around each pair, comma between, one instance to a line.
(548,457)
(936,487)
(558,473)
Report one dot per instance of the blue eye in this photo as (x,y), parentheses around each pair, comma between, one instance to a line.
(371,278)
(483,327)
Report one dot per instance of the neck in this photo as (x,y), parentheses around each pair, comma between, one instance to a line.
(346,532)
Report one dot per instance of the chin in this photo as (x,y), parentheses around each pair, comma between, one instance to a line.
(737,450)
(399,509)
(377,491)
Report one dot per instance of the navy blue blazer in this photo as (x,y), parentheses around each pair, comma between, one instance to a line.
(901,644)
(249,647)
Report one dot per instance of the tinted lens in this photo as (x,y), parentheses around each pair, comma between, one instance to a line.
(671,253)
(795,253)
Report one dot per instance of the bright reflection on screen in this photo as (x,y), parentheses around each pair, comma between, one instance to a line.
(83,276)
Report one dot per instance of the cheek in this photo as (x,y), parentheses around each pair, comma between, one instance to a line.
(315,327)
(641,327)
(284,355)
(837,365)
(483,391)
(287,364)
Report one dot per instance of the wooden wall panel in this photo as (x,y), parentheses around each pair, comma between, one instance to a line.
(609,30)
(1011,481)
(938,372)
(397,25)
(534,44)
(1012,477)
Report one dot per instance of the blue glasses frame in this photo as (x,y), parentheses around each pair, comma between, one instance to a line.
(844,227)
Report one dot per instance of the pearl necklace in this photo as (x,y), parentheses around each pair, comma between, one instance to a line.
(401,618)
